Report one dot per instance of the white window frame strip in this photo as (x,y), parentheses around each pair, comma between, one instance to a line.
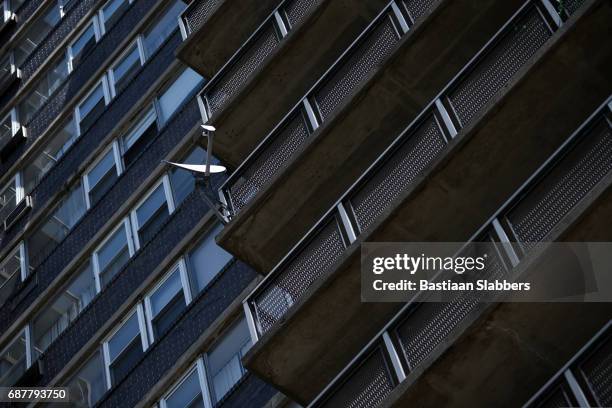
(118,169)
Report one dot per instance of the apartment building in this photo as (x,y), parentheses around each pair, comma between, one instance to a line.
(340,122)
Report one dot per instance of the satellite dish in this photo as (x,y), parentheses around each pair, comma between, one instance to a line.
(209,128)
(199,168)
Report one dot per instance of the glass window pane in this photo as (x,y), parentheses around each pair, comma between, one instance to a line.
(166,24)
(187,394)
(43,90)
(224,359)
(176,93)
(57,226)
(139,136)
(126,68)
(113,255)
(57,146)
(36,33)
(83,44)
(207,260)
(112,10)
(182,181)
(10,274)
(8,199)
(6,130)
(91,108)
(88,385)
(151,205)
(124,336)
(164,294)
(102,177)
(55,318)
(13,361)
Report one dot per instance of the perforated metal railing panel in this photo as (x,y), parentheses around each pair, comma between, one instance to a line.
(238,74)
(558,397)
(429,323)
(496,68)
(426,142)
(570,6)
(365,387)
(597,371)
(285,288)
(198,12)
(297,10)
(417,8)
(353,71)
(564,186)
(270,161)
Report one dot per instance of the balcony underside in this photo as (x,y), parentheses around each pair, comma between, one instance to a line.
(292,69)
(454,197)
(230,23)
(430,54)
(503,357)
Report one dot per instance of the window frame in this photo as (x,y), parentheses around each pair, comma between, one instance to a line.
(102,19)
(105,344)
(69,49)
(28,344)
(118,165)
(181,267)
(111,71)
(199,367)
(14,117)
(165,182)
(105,96)
(17,182)
(94,256)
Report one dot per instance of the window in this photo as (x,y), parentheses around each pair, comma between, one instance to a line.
(53,151)
(99,179)
(92,106)
(150,214)
(111,12)
(187,393)
(123,348)
(7,67)
(56,317)
(164,27)
(57,226)
(50,81)
(123,71)
(182,181)
(178,92)
(13,361)
(114,252)
(10,195)
(166,301)
(139,136)
(223,362)
(36,33)
(88,385)
(9,126)
(206,260)
(83,43)
(12,270)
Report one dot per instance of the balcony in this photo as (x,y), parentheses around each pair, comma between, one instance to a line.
(581,382)
(377,86)
(9,74)
(436,168)
(213,29)
(411,361)
(278,64)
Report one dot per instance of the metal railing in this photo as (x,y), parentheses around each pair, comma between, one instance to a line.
(231,78)
(195,15)
(413,334)
(350,71)
(422,141)
(585,381)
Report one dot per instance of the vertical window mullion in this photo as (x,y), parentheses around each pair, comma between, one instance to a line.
(168,193)
(96,268)
(134,220)
(142,327)
(129,236)
(28,346)
(185,280)
(149,318)
(117,158)
(203,378)
(107,363)
(23,261)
